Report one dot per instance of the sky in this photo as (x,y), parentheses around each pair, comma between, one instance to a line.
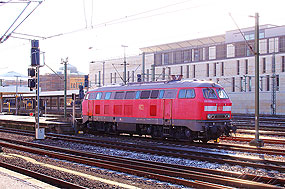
(94,30)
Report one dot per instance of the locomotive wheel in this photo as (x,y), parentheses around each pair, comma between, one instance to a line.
(204,140)
(157,132)
(188,134)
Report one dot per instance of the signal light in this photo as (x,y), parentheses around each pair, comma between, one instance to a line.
(35,53)
(31,84)
(81,92)
(31,72)
(86,81)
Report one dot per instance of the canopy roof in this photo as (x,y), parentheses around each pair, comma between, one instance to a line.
(185,44)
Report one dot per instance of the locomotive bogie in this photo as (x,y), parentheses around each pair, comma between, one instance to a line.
(188,110)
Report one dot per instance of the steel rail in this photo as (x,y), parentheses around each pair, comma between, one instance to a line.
(189,154)
(39,176)
(151,170)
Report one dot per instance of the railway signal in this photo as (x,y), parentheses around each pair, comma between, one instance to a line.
(34,72)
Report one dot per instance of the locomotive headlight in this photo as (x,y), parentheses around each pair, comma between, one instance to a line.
(210,116)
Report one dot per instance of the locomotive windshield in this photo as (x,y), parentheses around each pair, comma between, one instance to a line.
(209,93)
(222,94)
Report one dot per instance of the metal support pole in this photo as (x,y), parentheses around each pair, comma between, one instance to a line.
(256,142)
(273,97)
(103,79)
(125,65)
(65,85)
(153,72)
(99,78)
(143,67)
(39,132)
(16,99)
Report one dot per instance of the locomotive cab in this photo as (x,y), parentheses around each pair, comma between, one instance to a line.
(216,112)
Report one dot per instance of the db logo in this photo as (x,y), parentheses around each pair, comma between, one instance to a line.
(141,107)
(220,108)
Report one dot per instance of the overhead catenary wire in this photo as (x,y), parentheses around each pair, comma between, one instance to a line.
(125,19)
(250,47)
(4,38)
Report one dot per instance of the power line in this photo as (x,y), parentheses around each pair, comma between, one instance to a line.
(4,36)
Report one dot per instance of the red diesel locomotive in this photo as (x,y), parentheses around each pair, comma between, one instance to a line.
(183,110)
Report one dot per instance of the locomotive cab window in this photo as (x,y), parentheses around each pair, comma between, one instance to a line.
(92,96)
(209,93)
(130,95)
(161,93)
(87,96)
(154,94)
(119,95)
(170,94)
(138,93)
(98,96)
(222,94)
(108,95)
(186,93)
(145,94)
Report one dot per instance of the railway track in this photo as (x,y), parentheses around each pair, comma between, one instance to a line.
(39,176)
(178,174)
(186,152)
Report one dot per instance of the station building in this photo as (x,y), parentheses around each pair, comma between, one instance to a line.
(227,59)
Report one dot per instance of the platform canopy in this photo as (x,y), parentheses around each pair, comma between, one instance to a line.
(206,41)
(11,75)
(13,90)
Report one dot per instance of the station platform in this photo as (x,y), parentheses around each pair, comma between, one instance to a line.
(28,123)
(13,180)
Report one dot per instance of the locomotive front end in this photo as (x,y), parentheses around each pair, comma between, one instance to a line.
(216,113)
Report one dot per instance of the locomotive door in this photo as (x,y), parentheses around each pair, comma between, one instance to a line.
(90,107)
(167,111)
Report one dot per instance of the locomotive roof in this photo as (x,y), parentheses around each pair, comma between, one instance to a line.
(159,85)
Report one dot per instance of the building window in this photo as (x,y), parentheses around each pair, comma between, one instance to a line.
(282,44)
(158,59)
(241,84)
(249,83)
(277,82)
(238,67)
(147,75)
(177,57)
(198,54)
(240,49)
(267,83)
(168,58)
(263,65)
(163,73)
(233,84)
(187,56)
(194,71)
(261,83)
(283,64)
(222,68)
(208,70)
(187,71)
(215,69)
(221,51)
(169,72)
(128,79)
(250,49)
(246,66)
